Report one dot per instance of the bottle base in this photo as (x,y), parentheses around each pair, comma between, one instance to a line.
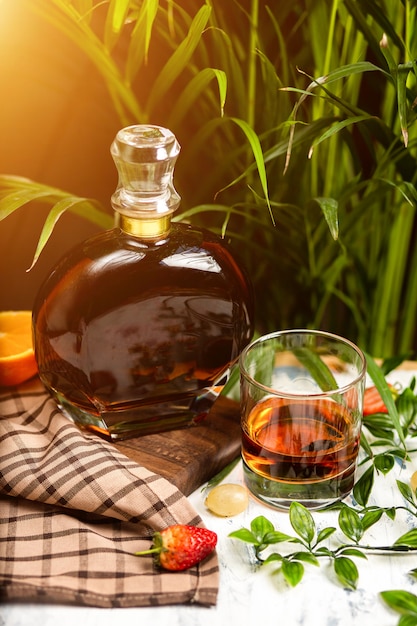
(128,422)
(314,496)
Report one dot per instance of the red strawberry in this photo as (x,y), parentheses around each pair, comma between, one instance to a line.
(372,401)
(179,547)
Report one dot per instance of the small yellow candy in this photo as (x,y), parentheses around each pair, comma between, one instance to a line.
(227,500)
(413,481)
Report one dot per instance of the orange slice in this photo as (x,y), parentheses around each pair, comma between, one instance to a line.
(17,359)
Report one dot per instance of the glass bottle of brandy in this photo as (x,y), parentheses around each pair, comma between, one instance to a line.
(136,329)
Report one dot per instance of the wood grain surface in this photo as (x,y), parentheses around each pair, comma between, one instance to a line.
(190,456)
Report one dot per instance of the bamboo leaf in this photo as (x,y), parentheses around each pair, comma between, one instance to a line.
(365,445)
(402,76)
(336,128)
(84,8)
(17,199)
(180,58)
(329,207)
(116,16)
(382,385)
(220,476)
(339,73)
(318,369)
(255,144)
(197,86)
(385,49)
(66,19)
(141,38)
(77,205)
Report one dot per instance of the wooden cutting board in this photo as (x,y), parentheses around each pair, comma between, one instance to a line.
(191,456)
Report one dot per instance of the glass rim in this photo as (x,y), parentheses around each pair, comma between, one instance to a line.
(304,331)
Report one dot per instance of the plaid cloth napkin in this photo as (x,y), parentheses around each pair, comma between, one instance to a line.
(73,509)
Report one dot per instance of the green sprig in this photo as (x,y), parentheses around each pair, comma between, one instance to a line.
(262,535)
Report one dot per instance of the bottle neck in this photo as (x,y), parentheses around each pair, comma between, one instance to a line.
(145,197)
(145,228)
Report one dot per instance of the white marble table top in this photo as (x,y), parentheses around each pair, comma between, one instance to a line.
(248,597)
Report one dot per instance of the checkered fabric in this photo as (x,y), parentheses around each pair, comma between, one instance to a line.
(73,509)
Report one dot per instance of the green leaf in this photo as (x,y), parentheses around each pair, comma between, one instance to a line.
(363,487)
(353,552)
(408,539)
(384,462)
(401,601)
(323,551)
(407,408)
(302,522)
(346,571)
(260,526)
(371,517)
(392,65)
(244,535)
(329,207)
(305,557)
(220,476)
(194,89)
(350,524)
(381,384)
(271,558)
(324,534)
(316,367)
(25,191)
(13,201)
(406,492)
(402,76)
(365,445)
(276,537)
(256,147)
(141,38)
(84,8)
(390,364)
(380,425)
(336,128)
(391,512)
(293,571)
(76,205)
(180,58)
(116,16)
(407,620)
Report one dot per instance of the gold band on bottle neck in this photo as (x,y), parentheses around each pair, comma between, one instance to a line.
(145,228)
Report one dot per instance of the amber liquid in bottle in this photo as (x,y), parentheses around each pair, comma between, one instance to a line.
(135,331)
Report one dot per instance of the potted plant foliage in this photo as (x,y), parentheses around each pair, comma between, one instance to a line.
(297,126)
